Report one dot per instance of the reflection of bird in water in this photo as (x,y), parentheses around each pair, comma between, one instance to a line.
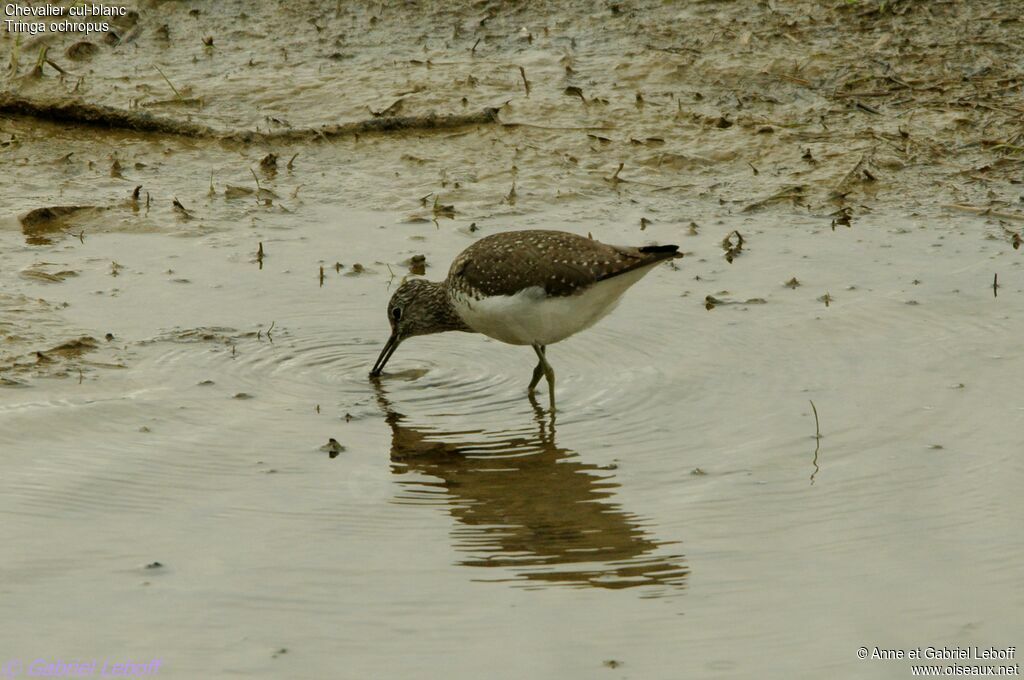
(525,504)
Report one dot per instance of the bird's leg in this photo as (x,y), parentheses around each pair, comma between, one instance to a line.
(539,370)
(549,373)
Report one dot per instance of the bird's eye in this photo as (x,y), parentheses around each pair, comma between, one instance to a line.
(396,313)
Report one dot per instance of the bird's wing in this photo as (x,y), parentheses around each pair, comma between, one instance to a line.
(560,262)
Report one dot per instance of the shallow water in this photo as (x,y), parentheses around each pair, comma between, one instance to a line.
(677,516)
(671,515)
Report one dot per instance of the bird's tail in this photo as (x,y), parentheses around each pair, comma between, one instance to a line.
(661,252)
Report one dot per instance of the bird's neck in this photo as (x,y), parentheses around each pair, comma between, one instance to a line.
(445,316)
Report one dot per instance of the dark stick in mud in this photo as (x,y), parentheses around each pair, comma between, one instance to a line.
(168,81)
(817,441)
(80,113)
(259,189)
(70,111)
(526,83)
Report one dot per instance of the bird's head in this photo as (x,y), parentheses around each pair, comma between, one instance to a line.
(411,312)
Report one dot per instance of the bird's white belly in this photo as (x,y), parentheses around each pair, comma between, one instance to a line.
(529,317)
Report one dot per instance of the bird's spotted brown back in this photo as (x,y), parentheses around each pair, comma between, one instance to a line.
(504,264)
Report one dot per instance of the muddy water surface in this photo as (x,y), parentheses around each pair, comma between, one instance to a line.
(168,395)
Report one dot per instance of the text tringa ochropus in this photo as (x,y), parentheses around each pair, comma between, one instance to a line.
(531,287)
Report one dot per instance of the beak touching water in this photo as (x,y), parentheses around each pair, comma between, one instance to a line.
(389,348)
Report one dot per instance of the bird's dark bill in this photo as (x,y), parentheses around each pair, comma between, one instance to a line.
(385,354)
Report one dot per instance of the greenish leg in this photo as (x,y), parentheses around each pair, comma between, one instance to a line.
(543,367)
(539,371)
(549,373)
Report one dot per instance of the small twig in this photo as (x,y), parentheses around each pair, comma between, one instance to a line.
(526,83)
(614,179)
(176,93)
(817,444)
(54,64)
(864,107)
(995,285)
(259,189)
(817,447)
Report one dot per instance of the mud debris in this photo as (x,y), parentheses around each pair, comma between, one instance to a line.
(72,349)
(332,448)
(732,244)
(37,272)
(710,301)
(417,265)
(81,50)
(41,224)
(268,165)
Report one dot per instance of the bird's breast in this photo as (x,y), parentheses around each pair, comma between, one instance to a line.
(531,317)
